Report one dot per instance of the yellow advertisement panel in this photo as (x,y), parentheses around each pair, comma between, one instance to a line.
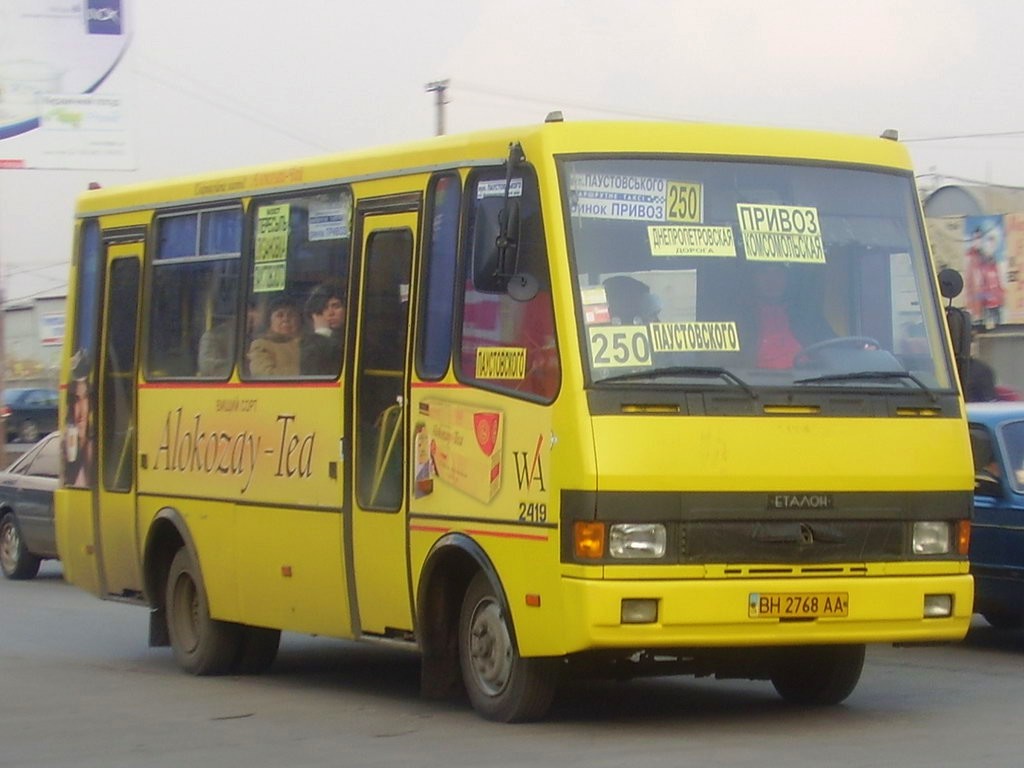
(247,444)
(781,233)
(691,241)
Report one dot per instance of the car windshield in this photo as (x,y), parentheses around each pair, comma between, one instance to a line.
(778,275)
(13,396)
(1011,435)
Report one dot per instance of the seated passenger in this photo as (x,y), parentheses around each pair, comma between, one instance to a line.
(786,322)
(217,344)
(777,346)
(630,301)
(321,349)
(276,352)
(216,349)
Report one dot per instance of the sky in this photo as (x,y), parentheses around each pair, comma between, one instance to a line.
(213,84)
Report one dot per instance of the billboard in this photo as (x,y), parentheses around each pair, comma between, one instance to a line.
(54,59)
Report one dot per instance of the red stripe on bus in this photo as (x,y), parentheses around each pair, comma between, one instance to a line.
(239,385)
(498,534)
(437,385)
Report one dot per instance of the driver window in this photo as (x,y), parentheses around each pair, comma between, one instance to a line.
(507,344)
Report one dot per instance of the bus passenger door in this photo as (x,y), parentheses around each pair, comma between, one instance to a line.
(379,563)
(118,544)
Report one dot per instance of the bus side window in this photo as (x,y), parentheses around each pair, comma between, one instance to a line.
(434,343)
(195,294)
(508,344)
(301,251)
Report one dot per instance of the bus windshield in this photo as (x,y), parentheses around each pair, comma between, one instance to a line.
(712,272)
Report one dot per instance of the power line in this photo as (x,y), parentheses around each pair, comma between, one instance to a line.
(965,180)
(219,101)
(9,301)
(548,101)
(956,137)
(37,268)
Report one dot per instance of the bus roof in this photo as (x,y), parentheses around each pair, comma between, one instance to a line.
(541,140)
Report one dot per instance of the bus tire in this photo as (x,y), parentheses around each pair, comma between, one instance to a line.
(818,676)
(201,645)
(501,684)
(257,650)
(16,561)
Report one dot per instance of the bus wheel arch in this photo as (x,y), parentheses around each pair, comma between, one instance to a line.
(466,632)
(449,567)
(165,537)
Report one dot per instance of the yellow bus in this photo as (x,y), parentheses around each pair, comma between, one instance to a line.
(565,399)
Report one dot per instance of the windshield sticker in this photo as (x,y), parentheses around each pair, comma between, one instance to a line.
(619,346)
(611,196)
(595,305)
(691,241)
(781,233)
(329,221)
(685,202)
(501,363)
(271,248)
(695,337)
(496,188)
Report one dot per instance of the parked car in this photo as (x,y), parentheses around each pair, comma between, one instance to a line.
(26,509)
(29,412)
(997,532)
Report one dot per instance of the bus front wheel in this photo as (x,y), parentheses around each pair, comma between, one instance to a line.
(818,676)
(501,684)
(202,645)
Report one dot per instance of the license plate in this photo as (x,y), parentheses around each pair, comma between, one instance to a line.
(798,605)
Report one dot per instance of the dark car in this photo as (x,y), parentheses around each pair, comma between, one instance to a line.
(997,532)
(26,509)
(29,412)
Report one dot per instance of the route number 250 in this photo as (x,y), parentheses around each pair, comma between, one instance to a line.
(619,346)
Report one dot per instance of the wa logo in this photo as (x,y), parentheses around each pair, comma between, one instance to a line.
(103,17)
(529,469)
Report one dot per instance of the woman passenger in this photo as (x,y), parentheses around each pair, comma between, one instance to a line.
(276,352)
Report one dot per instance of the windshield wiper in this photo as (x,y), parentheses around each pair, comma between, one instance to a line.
(699,371)
(868,376)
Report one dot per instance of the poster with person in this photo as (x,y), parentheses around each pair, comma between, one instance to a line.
(985,269)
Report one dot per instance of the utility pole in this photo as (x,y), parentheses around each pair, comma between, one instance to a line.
(439,88)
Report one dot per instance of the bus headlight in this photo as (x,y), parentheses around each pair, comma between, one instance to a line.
(637,541)
(931,538)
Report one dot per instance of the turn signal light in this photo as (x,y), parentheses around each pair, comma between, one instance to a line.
(588,540)
(963,537)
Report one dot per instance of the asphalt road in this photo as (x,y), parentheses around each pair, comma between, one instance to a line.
(79,687)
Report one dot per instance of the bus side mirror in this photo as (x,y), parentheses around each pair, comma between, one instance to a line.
(495,244)
(950,283)
(958,321)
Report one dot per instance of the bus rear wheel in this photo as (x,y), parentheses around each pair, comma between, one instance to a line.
(201,645)
(818,676)
(501,684)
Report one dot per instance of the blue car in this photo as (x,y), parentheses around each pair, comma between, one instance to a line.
(997,533)
(28,413)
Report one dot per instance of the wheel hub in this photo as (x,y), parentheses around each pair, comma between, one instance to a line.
(490,648)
